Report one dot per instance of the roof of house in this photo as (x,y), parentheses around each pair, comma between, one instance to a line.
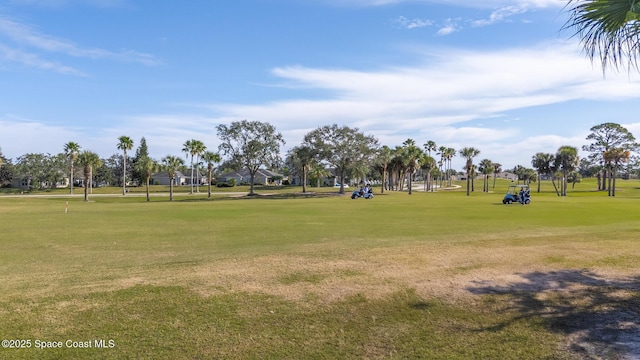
(179,174)
(245,173)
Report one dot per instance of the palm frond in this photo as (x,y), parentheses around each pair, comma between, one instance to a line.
(609,30)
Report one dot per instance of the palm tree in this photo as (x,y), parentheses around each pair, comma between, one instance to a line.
(317,172)
(172,164)
(198,149)
(430,146)
(125,143)
(442,162)
(304,156)
(616,157)
(147,166)
(497,169)
(88,160)
(486,168)
(449,153)
(398,168)
(566,161)
(359,172)
(473,176)
(71,149)
(411,155)
(188,148)
(469,153)
(608,29)
(428,164)
(211,158)
(384,156)
(543,163)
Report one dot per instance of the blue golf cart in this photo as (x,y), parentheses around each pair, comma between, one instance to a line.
(517,193)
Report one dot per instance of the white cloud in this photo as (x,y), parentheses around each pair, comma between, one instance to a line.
(26,35)
(21,136)
(450,26)
(35,61)
(501,15)
(412,23)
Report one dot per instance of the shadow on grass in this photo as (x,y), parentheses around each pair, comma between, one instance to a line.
(599,317)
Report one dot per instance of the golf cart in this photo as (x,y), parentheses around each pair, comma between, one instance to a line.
(366,192)
(517,193)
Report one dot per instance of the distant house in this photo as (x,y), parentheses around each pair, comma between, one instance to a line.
(25,182)
(262,177)
(507,175)
(162,178)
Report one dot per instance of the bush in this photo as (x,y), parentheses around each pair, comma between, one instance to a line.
(230,183)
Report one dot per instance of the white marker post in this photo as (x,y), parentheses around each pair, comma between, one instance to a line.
(66,207)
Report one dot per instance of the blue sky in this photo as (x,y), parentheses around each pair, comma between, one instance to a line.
(497,75)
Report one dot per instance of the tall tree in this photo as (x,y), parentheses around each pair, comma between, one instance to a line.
(615,157)
(442,163)
(104,174)
(250,144)
(411,155)
(71,150)
(6,170)
(88,160)
(608,30)
(449,154)
(343,147)
(607,136)
(543,163)
(397,170)
(383,158)
(142,153)
(34,169)
(147,166)
(124,143)
(171,164)
(469,153)
(302,158)
(430,146)
(497,169)
(189,149)
(566,161)
(428,164)
(317,172)
(210,158)
(198,149)
(486,169)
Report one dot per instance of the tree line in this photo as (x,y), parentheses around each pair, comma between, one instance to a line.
(349,152)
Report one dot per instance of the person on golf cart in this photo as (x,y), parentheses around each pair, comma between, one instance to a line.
(521,196)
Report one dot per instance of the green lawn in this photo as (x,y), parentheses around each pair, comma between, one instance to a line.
(431,275)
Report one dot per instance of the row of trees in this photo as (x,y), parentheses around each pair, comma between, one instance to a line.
(352,154)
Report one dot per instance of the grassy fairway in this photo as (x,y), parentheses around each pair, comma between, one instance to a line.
(431,275)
